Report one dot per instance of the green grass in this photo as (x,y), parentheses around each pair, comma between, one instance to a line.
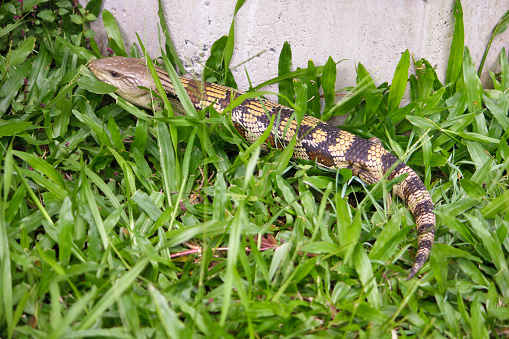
(119,222)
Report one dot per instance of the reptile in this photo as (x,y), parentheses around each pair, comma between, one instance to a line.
(318,141)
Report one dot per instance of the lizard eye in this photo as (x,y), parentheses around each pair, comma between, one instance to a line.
(114,74)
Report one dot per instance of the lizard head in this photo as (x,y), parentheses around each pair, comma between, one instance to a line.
(128,75)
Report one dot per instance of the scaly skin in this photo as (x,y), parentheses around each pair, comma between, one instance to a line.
(316,140)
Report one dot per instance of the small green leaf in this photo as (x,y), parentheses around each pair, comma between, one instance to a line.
(47,15)
(77,19)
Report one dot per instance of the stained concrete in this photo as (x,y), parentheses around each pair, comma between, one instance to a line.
(372,32)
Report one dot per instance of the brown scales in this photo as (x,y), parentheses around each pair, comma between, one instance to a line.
(316,140)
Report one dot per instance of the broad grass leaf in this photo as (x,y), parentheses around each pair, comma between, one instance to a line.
(202,321)
(92,204)
(456,55)
(92,122)
(301,101)
(179,88)
(234,252)
(482,174)
(450,316)
(352,235)
(277,259)
(20,54)
(5,270)
(292,75)
(457,226)
(112,220)
(344,219)
(504,63)
(417,159)
(10,27)
(145,202)
(364,269)
(16,203)
(318,182)
(423,123)
(490,243)
(207,229)
(140,136)
(502,280)
(473,189)
(473,87)
(168,162)
(220,197)
(65,225)
(142,164)
(12,85)
(459,206)
(472,270)
(478,329)
(116,48)
(91,84)
(439,266)
(313,83)
(447,251)
(42,166)
(367,312)
(329,83)
(478,155)
(389,239)
(285,63)
(12,127)
(498,112)
(116,137)
(399,82)
(112,29)
(169,319)
(81,52)
(500,203)
(214,63)
(116,289)
(318,247)
(286,155)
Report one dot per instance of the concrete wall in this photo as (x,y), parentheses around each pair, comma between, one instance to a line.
(373,32)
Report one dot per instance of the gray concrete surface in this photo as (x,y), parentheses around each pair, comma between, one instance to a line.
(373,32)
